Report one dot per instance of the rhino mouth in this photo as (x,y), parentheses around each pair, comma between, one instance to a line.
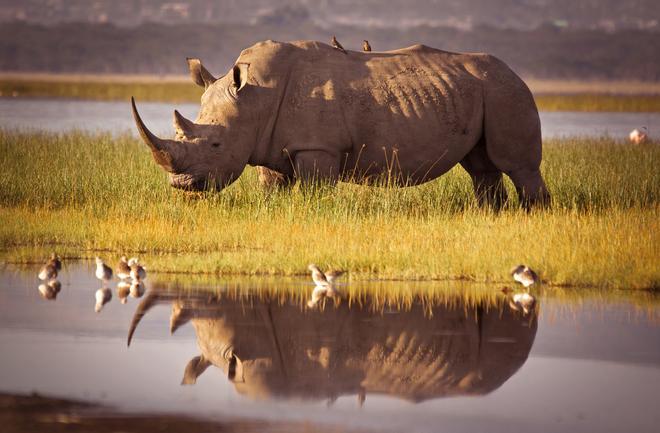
(188,182)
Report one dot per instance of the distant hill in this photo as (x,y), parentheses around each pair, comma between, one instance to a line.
(517,14)
(548,51)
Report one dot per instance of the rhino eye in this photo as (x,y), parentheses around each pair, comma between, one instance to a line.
(215,144)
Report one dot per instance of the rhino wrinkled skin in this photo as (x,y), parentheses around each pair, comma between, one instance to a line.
(268,348)
(307,111)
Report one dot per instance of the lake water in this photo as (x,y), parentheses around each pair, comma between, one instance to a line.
(584,365)
(61,115)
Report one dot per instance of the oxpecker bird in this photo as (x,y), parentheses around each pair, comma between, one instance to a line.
(103,271)
(365,46)
(335,43)
(524,275)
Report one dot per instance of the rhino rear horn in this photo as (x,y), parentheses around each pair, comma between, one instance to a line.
(199,74)
(158,146)
(183,126)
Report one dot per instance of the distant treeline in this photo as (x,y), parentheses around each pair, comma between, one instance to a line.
(546,52)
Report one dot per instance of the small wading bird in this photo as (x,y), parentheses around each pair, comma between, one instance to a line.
(123,270)
(103,271)
(524,275)
(123,290)
(103,296)
(137,271)
(365,46)
(51,268)
(335,43)
(325,284)
(639,136)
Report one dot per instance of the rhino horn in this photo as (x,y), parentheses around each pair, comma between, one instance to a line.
(159,148)
(147,303)
(183,126)
(179,316)
(199,74)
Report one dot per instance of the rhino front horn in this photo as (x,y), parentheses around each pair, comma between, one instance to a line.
(159,147)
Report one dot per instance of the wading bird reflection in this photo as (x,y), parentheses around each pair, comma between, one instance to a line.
(103,296)
(325,284)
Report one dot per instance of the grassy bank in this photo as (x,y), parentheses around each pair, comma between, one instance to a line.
(565,98)
(79,194)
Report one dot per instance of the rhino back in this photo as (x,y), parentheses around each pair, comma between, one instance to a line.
(422,103)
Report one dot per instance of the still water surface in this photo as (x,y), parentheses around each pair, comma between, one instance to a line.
(461,365)
(62,115)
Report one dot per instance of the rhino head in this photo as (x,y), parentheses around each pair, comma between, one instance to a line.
(212,151)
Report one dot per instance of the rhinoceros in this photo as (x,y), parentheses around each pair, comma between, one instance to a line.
(275,348)
(304,110)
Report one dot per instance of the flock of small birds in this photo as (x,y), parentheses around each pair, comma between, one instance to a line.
(130,273)
(325,287)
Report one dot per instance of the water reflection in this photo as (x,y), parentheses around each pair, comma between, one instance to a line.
(103,296)
(273,348)
(50,289)
(123,290)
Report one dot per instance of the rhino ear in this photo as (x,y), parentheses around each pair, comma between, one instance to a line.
(235,369)
(199,74)
(240,73)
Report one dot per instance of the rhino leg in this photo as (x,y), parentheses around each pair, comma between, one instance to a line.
(530,187)
(271,179)
(486,178)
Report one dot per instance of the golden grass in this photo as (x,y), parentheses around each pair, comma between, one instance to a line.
(602,229)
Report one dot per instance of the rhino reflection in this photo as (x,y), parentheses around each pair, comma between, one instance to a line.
(271,349)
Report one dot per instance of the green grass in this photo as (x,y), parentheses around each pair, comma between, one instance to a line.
(84,195)
(184,91)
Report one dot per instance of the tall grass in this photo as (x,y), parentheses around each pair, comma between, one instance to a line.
(80,193)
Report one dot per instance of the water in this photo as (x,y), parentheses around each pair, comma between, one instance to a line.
(461,365)
(62,115)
